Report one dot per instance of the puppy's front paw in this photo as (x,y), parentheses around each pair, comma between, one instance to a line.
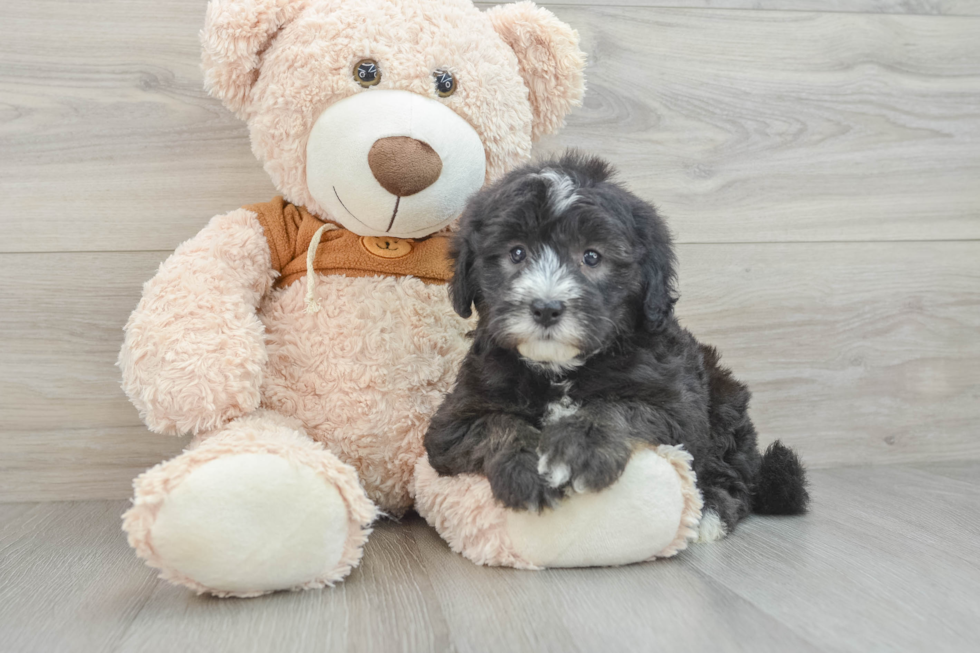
(577,455)
(515,482)
(555,472)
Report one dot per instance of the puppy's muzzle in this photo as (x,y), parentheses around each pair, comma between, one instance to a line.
(547,313)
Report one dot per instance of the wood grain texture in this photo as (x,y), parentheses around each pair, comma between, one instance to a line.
(68,580)
(653,607)
(923,7)
(67,432)
(79,463)
(932,509)
(749,126)
(856,353)
(959,470)
(109,140)
(787,127)
(859,573)
(851,585)
(62,317)
(386,604)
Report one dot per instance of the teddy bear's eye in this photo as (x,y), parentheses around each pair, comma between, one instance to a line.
(367,73)
(445,83)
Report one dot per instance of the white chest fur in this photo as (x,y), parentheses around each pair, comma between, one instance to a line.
(563,407)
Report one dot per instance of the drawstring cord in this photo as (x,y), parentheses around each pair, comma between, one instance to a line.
(312,305)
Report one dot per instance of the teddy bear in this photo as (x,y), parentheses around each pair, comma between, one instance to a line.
(305,342)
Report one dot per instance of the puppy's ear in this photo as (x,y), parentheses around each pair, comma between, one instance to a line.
(235,33)
(463,288)
(658,266)
(551,63)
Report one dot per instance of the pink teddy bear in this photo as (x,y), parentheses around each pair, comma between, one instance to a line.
(306,342)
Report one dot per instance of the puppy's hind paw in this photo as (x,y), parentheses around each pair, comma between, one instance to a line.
(557,474)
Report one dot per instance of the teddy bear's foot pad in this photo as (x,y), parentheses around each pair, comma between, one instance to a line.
(250,523)
(652,511)
(635,519)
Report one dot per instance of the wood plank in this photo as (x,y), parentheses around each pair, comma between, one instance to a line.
(655,606)
(834,580)
(748,126)
(787,127)
(62,317)
(386,604)
(68,580)
(935,511)
(109,140)
(856,353)
(79,464)
(837,579)
(964,471)
(10,514)
(924,7)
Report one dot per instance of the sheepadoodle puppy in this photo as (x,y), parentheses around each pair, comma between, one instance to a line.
(577,357)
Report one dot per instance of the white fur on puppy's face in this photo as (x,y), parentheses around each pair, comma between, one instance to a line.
(547,279)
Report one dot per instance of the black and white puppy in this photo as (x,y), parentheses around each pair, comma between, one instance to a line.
(577,356)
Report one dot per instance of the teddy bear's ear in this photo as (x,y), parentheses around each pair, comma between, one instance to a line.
(551,63)
(235,34)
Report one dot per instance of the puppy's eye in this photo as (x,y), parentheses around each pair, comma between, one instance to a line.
(445,83)
(517,254)
(591,258)
(367,73)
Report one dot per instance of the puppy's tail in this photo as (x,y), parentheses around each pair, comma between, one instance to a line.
(781,486)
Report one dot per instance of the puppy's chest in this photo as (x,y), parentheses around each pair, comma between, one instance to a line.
(559,402)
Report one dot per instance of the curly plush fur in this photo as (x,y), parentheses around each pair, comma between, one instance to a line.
(578,358)
(215,341)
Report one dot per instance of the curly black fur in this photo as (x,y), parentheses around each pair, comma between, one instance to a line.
(781,486)
(541,427)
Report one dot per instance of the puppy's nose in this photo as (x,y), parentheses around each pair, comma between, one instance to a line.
(547,313)
(404,166)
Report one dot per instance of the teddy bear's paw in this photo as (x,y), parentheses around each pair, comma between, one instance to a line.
(634,519)
(652,511)
(245,524)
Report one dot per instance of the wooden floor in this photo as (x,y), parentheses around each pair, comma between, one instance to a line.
(886,561)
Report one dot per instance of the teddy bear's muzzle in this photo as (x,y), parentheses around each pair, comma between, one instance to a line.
(392,163)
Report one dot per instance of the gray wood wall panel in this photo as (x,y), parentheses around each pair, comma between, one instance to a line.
(744,125)
(856,353)
(923,7)
(819,167)
(774,127)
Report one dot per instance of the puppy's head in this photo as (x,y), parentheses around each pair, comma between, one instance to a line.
(560,261)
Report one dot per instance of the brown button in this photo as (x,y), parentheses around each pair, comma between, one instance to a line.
(386,246)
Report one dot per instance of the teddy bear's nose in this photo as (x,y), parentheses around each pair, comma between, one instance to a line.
(404,166)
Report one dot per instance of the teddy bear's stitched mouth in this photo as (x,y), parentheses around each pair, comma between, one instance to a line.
(393,214)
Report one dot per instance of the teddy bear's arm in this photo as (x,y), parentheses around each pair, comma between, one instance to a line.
(194,350)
